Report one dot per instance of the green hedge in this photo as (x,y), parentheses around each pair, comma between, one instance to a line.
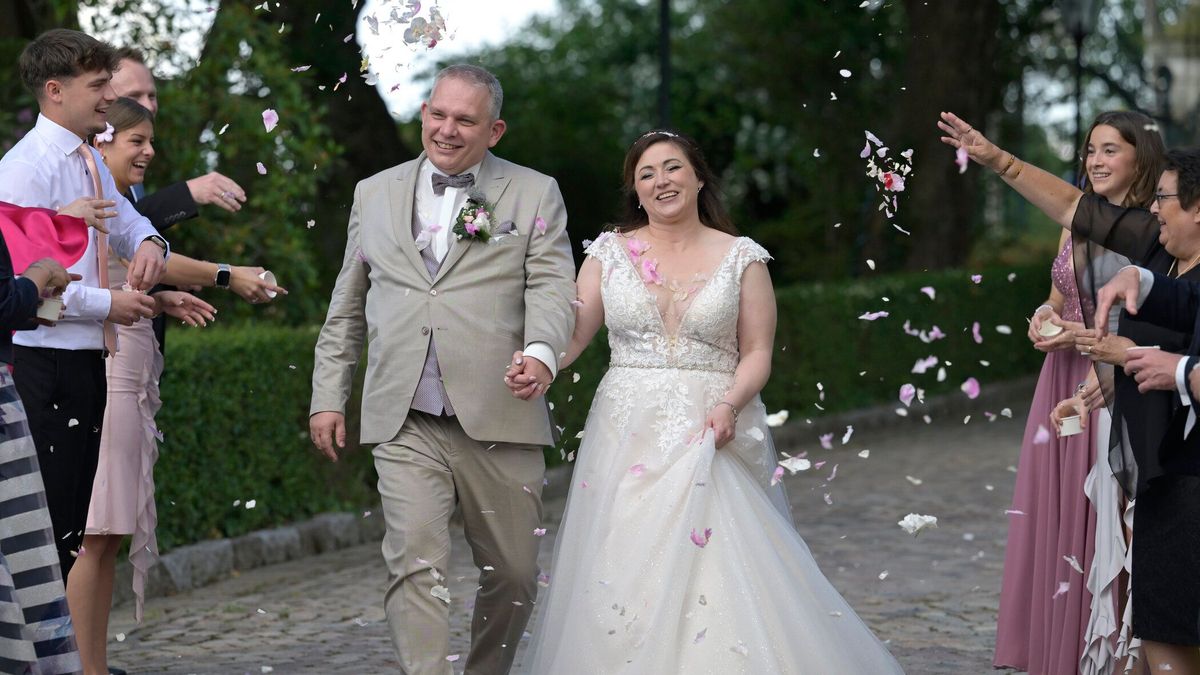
(234,423)
(235,401)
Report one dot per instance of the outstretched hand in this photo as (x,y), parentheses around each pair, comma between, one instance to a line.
(959,134)
(526,377)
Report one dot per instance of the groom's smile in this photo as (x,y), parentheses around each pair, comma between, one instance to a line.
(458,125)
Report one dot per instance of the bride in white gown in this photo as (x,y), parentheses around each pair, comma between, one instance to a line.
(676,553)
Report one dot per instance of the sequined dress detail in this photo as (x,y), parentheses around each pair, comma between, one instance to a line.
(673,556)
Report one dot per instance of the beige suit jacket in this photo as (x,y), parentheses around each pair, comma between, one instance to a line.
(486,302)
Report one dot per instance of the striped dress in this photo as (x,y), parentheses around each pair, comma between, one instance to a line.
(36,636)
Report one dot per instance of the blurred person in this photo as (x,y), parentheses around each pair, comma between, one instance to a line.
(1166,521)
(677,439)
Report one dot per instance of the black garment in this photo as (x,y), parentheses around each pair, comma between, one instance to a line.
(1166,548)
(18,304)
(164,208)
(64,395)
(168,206)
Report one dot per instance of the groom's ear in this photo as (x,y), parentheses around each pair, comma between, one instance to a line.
(498,129)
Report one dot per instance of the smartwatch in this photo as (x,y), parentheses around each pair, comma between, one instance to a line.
(159,242)
(222,280)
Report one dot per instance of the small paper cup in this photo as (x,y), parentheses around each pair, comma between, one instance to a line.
(1048,329)
(1070,426)
(49,309)
(269,277)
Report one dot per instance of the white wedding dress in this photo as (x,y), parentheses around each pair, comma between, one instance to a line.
(631,590)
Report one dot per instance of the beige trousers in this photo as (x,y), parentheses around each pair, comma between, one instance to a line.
(429,467)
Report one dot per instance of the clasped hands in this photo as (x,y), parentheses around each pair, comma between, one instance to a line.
(527,377)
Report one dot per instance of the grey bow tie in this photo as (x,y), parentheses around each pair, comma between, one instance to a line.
(441,182)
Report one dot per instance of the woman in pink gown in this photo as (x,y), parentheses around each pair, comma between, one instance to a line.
(1044,600)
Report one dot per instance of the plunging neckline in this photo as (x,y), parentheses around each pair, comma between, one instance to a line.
(662,322)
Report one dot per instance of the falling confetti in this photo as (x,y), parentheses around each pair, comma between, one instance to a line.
(701,540)
(270,119)
(913,523)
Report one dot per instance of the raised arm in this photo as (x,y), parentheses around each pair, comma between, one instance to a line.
(1051,195)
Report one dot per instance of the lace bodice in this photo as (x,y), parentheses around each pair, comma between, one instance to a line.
(1062,274)
(704,332)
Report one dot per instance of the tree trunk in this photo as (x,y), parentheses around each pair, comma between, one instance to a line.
(951,66)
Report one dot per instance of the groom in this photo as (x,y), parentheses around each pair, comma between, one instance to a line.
(442,315)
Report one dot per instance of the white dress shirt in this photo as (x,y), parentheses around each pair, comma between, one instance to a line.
(433,210)
(44,169)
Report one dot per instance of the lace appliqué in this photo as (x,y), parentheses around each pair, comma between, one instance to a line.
(645,355)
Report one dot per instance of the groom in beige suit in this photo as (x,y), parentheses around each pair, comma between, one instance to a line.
(442,317)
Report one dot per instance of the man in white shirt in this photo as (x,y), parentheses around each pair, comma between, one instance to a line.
(59,371)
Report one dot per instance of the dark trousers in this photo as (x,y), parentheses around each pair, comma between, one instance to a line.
(64,394)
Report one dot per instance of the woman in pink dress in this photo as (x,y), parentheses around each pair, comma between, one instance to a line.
(1045,603)
(122,501)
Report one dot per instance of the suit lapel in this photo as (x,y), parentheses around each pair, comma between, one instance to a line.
(492,182)
(401,193)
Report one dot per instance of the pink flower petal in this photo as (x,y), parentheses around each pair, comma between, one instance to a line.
(907,393)
(540,224)
(777,475)
(701,540)
(539,532)
(1063,588)
(1042,436)
(929,290)
(971,388)
(270,119)
(872,316)
(976,334)
(961,159)
(976,278)
(637,469)
(827,441)
(261,169)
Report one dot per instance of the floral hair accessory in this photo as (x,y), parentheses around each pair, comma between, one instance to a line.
(106,136)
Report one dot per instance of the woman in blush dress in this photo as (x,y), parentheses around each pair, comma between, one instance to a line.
(1045,603)
(677,552)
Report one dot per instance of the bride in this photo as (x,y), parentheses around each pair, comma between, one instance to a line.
(677,554)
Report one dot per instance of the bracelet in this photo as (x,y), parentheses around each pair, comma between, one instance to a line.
(1018,171)
(1011,158)
(731,407)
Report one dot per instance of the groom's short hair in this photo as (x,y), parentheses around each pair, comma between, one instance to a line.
(477,76)
(60,54)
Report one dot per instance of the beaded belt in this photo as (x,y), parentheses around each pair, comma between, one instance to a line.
(703,369)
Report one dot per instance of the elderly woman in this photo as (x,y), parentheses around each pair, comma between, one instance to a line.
(1166,527)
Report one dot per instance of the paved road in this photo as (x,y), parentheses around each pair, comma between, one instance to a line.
(935,605)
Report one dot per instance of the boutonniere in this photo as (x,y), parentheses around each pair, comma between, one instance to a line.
(476,220)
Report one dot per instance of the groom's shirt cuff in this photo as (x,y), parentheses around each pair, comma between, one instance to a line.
(542,351)
(1146,283)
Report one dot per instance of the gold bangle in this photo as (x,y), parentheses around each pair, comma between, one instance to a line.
(1011,158)
(1018,171)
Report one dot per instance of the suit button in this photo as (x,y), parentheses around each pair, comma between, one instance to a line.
(433,291)
(424,330)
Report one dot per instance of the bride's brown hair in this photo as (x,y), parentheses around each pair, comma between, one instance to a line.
(712,211)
